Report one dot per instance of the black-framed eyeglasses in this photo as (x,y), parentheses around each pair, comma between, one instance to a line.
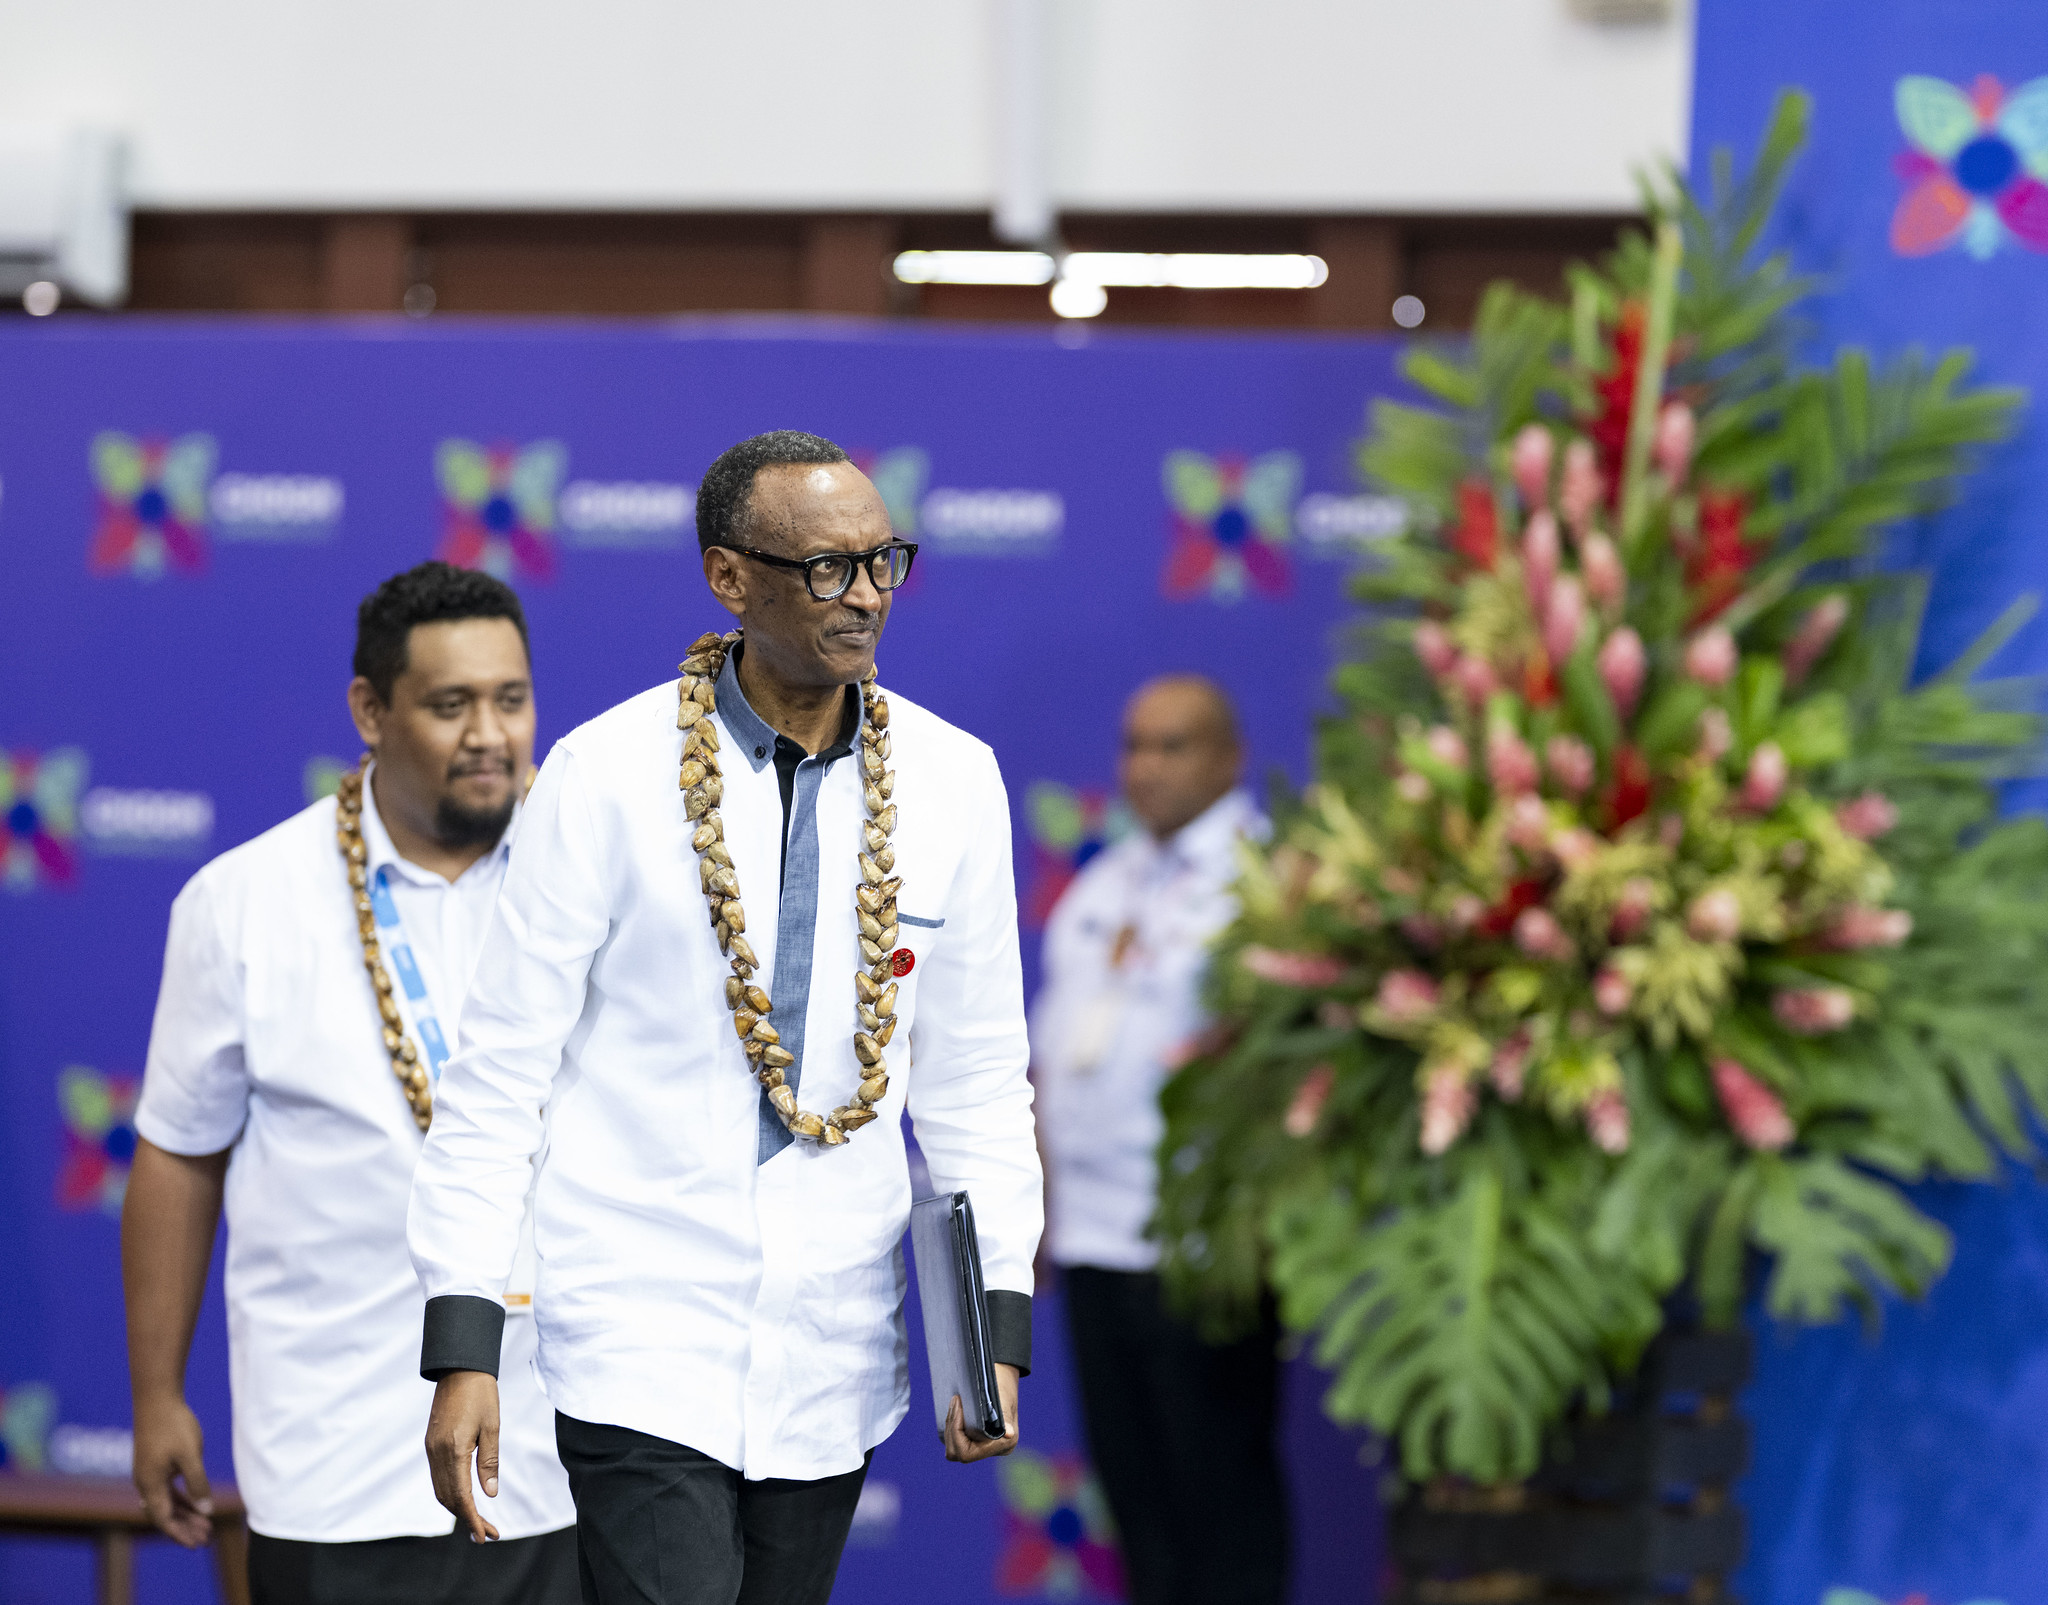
(828,575)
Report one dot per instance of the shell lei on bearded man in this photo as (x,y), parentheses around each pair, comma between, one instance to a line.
(398,1042)
(874,898)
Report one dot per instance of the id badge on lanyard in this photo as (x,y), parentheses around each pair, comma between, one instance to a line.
(416,1004)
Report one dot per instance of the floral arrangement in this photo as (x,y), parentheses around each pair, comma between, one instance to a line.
(1646,916)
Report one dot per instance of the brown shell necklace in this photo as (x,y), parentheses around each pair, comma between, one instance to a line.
(875,900)
(398,1043)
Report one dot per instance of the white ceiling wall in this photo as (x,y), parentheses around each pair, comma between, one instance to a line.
(1368,105)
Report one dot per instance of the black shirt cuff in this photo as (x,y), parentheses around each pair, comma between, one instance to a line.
(1009,1330)
(463,1334)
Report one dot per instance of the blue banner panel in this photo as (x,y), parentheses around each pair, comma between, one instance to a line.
(1909,1462)
(189,513)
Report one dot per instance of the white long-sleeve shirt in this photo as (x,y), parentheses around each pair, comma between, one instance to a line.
(267,1040)
(748,1308)
(1124,954)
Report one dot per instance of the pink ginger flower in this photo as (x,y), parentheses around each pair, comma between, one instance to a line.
(1510,1066)
(1565,618)
(1715,916)
(1611,991)
(1406,997)
(1529,462)
(1476,679)
(1860,926)
(1540,552)
(1717,735)
(1634,907)
(1711,657)
(1509,763)
(1305,1108)
(1447,746)
(1433,645)
(1467,910)
(1538,934)
(1580,488)
(1816,633)
(1753,1110)
(1528,823)
(1670,830)
(1575,847)
(1607,1121)
(1868,817)
(1606,579)
(1813,1011)
(1304,970)
(1671,448)
(1448,1103)
(1413,787)
(1570,762)
(1622,664)
(1765,782)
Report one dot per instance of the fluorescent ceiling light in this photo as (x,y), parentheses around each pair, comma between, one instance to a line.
(1179,270)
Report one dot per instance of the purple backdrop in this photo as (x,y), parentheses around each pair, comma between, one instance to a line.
(189,513)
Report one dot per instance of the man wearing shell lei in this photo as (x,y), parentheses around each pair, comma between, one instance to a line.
(755,914)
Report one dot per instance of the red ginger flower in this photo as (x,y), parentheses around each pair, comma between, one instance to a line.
(1617,392)
(1476,536)
(1716,564)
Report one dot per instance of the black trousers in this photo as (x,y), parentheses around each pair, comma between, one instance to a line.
(1182,1436)
(449,1570)
(659,1524)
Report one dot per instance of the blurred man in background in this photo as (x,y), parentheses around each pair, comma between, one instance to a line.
(1181,1432)
(311,985)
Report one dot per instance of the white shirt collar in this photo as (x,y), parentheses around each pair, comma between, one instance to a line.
(1212,833)
(382,850)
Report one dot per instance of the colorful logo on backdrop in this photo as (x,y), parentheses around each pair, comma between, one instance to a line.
(27,1412)
(152,503)
(1975,173)
(498,505)
(39,816)
(1068,828)
(99,1137)
(1058,1540)
(1231,520)
(961,522)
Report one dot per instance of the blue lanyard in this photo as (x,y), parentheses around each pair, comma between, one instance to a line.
(391,934)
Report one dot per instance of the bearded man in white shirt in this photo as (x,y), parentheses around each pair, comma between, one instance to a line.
(310,984)
(754,915)
(1181,1431)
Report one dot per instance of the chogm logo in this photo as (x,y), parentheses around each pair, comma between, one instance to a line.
(1058,1539)
(30,1441)
(1068,828)
(99,1138)
(967,523)
(152,503)
(156,498)
(498,505)
(39,816)
(43,818)
(27,1412)
(629,515)
(152,824)
(1231,519)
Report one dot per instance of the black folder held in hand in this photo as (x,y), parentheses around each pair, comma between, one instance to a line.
(956,1336)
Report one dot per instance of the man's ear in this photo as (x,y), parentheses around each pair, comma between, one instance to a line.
(726,574)
(368,711)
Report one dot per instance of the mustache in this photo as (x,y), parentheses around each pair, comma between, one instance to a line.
(465,768)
